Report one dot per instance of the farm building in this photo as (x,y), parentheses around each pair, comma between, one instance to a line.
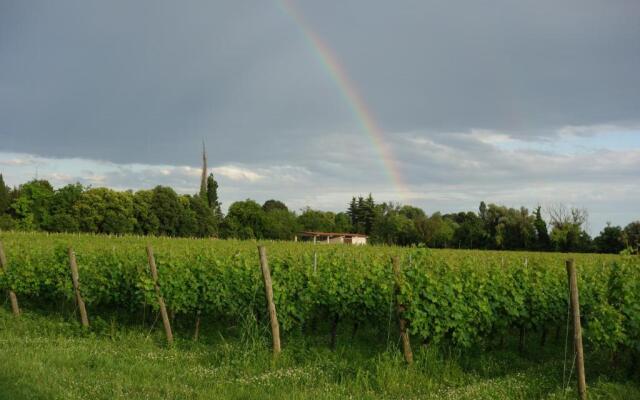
(332,237)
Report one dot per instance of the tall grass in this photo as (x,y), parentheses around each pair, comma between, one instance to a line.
(48,356)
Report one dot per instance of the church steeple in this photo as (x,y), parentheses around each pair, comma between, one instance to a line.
(203,179)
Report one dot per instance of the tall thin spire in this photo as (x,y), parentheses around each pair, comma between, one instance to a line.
(203,180)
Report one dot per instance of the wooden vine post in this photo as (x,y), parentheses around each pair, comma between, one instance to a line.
(196,333)
(271,307)
(75,278)
(12,295)
(401,308)
(577,329)
(163,307)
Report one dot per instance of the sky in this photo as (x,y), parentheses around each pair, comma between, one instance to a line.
(438,104)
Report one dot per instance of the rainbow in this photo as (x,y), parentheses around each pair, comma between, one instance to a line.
(351,94)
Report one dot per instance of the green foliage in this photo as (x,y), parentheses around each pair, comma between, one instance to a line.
(6,222)
(212,198)
(568,234)
(31,206)
(436,231)
(411,212)
(460,298)
(50,357)
(187,218)
(36,206)
(244,220)
(271,205)
(206,222)
(342,223)
(632,235)
(610,240)
(280,224)
(320,221)
(147,222)
(166,206)
(5,197)
(393,226)
(362,213)
(470,232)
(570,238)
(543,242)
(61,209)
(105,211)
(508,228)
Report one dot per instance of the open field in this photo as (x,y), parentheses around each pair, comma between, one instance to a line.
(50,357)
(483,324)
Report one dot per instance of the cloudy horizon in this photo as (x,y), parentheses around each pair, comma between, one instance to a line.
(534,103)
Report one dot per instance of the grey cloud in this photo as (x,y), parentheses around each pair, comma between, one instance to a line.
(464,159)
(145,81)
(522,66)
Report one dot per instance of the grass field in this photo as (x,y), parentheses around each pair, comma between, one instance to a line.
(46,355)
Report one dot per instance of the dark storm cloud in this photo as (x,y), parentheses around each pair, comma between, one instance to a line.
(522,66)
(146,81)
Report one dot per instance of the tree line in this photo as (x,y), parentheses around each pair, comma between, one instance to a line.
(36,205)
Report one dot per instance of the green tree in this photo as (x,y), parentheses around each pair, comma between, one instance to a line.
(491,216)
(568,234)
(482,212)
(392,226)
(5,196)
(360,218)
(470,231)
(147,222)
(436,231)
(6,221)
(118,218)
(362,213)
(315,220)
(280,224)
(508,228)
(352,212)
(31,207)
(212,198)
(89,210)
(610,240)
(244,220)
(369,214)
(61,216)
(632,235)
(342,223)
(206,223)
(570,238)
(412,212)
(102,210)
(543,242)
(165,205)
(271,205)
(187,218)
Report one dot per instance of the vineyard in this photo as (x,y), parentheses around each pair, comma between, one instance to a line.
(458,298)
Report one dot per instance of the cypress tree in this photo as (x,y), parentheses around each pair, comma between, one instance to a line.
(369,214)
(352,212)
(212,196)
(360,216)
